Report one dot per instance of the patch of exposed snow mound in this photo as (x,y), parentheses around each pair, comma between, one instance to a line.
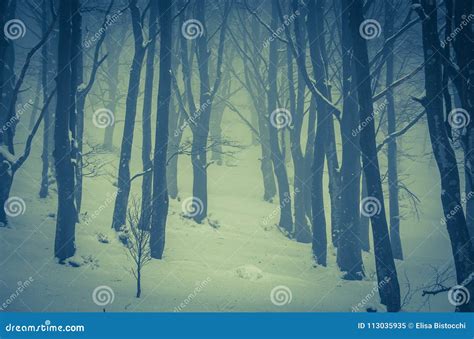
(249,272)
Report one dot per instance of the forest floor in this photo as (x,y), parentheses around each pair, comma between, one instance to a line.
(230,263)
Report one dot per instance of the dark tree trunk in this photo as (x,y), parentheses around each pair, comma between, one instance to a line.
(464,51)
(321,138)
(160,193)
(114,48)
(123,181)
(286,219)
(176,121)
(64,246)
(349,258)
(392,144)
(302,231)
(46,123)
(364,228)
(308,157)
(201,131)
(77,110)
(145,217)
(463,252)
(384,262)
(266,166)
(6,67)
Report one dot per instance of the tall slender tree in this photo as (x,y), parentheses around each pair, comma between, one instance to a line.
(123,180)
(160,192)
(64,245)
(463,251)
(384,262)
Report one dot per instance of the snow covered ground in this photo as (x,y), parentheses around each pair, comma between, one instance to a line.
(239,266)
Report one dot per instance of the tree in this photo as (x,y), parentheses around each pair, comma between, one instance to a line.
(349,258)
(392,144)
(138,246)
(64,245)
(123,180)
(286,219)
(463,252)
(146,118)
(384,262)
(160,200)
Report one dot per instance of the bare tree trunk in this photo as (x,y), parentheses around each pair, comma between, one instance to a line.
(286,219)
(46,124)
(64,246)
(385,265)
(302,231)
(463,252)
(464,51)
(321,138)
(145,217)
(160,192)
(123,181)
(201,132)
(349,258)
(392,144)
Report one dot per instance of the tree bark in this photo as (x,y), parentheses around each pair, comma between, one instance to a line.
(145,216)
(392,144)
(123,181)
(349,258)
(463,252)
(385,265)
(160,192)
(64,245)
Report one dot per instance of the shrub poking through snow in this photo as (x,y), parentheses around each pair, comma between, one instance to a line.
(137,244)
